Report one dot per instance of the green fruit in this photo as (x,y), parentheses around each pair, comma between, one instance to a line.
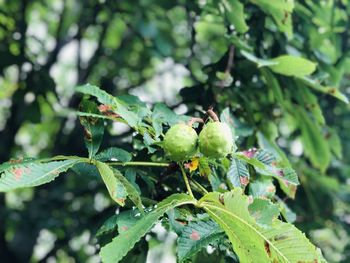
(180,142)
(215,140)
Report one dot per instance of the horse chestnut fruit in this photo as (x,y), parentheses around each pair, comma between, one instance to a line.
(180,142)
(215,140)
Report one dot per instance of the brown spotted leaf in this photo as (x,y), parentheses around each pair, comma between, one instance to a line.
(195,236)
(282,242)
(114,186)
(31,173)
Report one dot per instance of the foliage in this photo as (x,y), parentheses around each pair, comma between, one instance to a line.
(277,73)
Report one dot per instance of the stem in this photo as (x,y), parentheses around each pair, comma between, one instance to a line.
(213,115)
(194,120)
(186,181)
(198,185)
(139,164)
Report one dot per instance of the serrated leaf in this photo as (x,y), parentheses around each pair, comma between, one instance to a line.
(114,186)
(114,153)
(93,127)
(195,236)
(281,243)
(162,114)
(238,174)
(273,148)
(32,173)
(135,105)
(234,11)
(292,66)
(125,241)
(265,157)
(263,211)
(132,192)
(102,96)
(286,176)
(117,106)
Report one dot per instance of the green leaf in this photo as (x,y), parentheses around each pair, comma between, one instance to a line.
(102,96)
(93,127)
(227,118)
(286,176)
(273,148)
(272,82)
(108,226)
(315,145)
(281,243)
(135,105)
(263,211)
(292,66)
(123,221)
(285,65)
(115,187)
(195,236)
(114,153)
(262,188)
(118,106)
(281,12)
(335,143)
(266,157)
(132,193)
(32,173)
(333,91)
(163,115)
(127,219)
(309,101)
(238,174)
(286,212)
(125,241)
(203,165)
(234,11)
(260,62)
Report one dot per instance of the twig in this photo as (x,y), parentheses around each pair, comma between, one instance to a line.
(186,181)
(194,120)
(212,115)
(139,164)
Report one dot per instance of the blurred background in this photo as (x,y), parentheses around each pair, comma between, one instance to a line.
(183,53)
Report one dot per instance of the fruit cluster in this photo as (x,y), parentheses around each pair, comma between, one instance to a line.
(215,141)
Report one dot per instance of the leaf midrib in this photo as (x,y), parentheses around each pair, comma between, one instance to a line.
(206,205)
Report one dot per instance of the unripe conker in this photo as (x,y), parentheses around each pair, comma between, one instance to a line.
(180,142)
(215,140)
